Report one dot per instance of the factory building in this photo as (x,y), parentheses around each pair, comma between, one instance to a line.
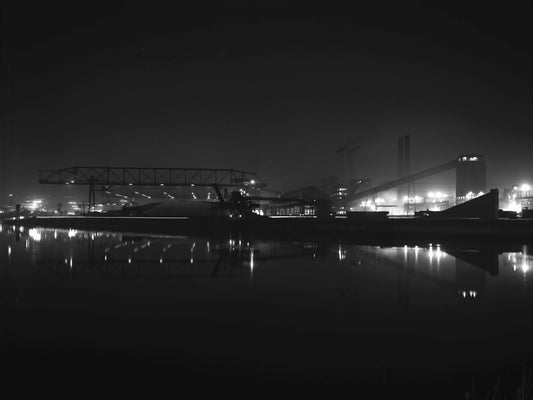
(471,176)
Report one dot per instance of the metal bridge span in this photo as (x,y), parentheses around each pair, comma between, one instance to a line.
(133,176)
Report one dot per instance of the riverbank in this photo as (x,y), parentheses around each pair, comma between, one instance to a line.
(304,228)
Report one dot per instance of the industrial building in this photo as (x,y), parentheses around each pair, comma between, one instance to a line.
(471,182)
(347,192)
(470,175)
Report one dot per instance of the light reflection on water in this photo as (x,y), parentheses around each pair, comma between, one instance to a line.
(449,292)
(105,252)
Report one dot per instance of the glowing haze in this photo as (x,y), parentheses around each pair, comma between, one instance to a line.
(270,87)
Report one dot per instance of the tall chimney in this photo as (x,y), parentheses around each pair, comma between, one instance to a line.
(349,175)
(342,164)
(400,157)
(407,155)
(355,173)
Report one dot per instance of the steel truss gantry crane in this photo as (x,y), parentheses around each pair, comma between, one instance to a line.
(133,176)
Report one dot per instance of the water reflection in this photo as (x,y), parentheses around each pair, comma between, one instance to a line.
(520,261)
(106,253)
(408,307)
(35,234)
(456,267)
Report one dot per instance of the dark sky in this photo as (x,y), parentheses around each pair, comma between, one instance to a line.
(269,86)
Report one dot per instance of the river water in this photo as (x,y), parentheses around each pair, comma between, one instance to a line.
(239,311)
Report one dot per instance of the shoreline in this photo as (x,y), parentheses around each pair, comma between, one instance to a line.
(301,228)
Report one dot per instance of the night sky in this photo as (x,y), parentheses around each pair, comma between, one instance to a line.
(273,87)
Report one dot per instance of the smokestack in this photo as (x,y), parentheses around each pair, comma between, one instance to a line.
(349,176)
(354,166)
(342,164)
(400,157)
(347,163)
(404,164)
(6,136)
(407,155)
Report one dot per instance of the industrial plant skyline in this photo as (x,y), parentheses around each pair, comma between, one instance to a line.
(270,87)
(267,198)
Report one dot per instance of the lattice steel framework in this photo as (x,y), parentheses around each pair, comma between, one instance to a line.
(132,176)
(121,176)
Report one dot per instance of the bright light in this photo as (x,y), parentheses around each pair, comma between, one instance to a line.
(252,182)
(438,254)
(35,204)
(513,206)
(524,187)
(341,253)
(437,195)
(470,293)
(72,233)
(252,261)
(35,234)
